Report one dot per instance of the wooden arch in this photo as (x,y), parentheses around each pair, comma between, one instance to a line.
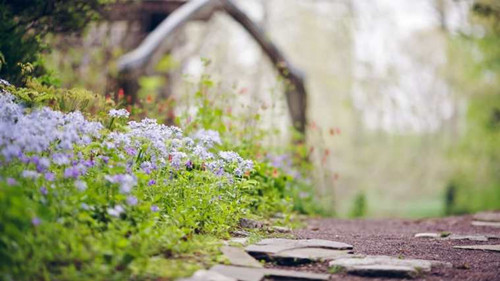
(296,95)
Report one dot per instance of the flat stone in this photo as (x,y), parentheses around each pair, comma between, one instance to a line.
(314,254)
(427,235)
(487,216)
(257,274)
(238,240)
(486,223)
(298,251)
(467,237)
(397,271)
(205,275)
(385,266)
(495,248)
(239,273)
(275,245)
(471,237)
(238,256)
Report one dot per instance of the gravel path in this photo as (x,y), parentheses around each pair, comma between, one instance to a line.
(395,237)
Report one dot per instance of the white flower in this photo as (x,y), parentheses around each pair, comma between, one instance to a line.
(119,113)
(80,185)
(116,211)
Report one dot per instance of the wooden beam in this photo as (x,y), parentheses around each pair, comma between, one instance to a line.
(295,90)
(296,95)
(141,55)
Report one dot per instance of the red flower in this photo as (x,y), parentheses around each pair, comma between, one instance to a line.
(121,94)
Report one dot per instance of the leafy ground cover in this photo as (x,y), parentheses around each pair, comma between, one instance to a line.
(88,194)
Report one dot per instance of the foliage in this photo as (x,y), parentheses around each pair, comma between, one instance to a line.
(359,206)
(475,184)
(110,199)
(24,24)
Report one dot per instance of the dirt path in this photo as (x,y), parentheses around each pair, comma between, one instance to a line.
(395,237)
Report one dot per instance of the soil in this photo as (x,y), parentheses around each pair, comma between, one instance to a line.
(395,237)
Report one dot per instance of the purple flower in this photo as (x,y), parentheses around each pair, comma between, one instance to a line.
(118,113)
(88,163)
(189,164)
(154,208)
(151,182)
(131,151)
(35,221)
(80,185)
(238,172)
(43,190)
(28,174)
(105,159)
(219,172)
(11,181)
(72,172)
(60,159)
(147,167)
(126,181)
(132,200)
(50,176)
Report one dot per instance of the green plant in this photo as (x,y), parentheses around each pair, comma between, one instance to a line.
(24,24)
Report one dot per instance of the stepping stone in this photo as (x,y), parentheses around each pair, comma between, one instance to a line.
(473,237)
(467,237)
(313,254)
(486,223)
(487,216)
(385,266)
(495,248)
(427,235)
(391,271)
(289,250)
(205,275)
(238,256)
(258,274)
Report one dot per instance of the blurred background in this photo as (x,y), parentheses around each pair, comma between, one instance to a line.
(403,96)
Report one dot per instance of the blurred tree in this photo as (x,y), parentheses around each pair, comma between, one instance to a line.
(24,24)
(475,184)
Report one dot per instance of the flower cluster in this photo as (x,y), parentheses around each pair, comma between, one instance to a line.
(51,144)
(118,113)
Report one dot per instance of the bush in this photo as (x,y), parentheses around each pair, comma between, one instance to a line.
(107,199)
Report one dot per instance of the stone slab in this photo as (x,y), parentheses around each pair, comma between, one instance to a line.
(427,235)
(239,240)
(471,237)
(237,256)
(289,251)
(239,273)
(495,248)
(467,237)
(252,274)
(381,261)
(205,275)
(487,216)
(486,223)
(314,254)
(385,266)
(275,245)
(392,271)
